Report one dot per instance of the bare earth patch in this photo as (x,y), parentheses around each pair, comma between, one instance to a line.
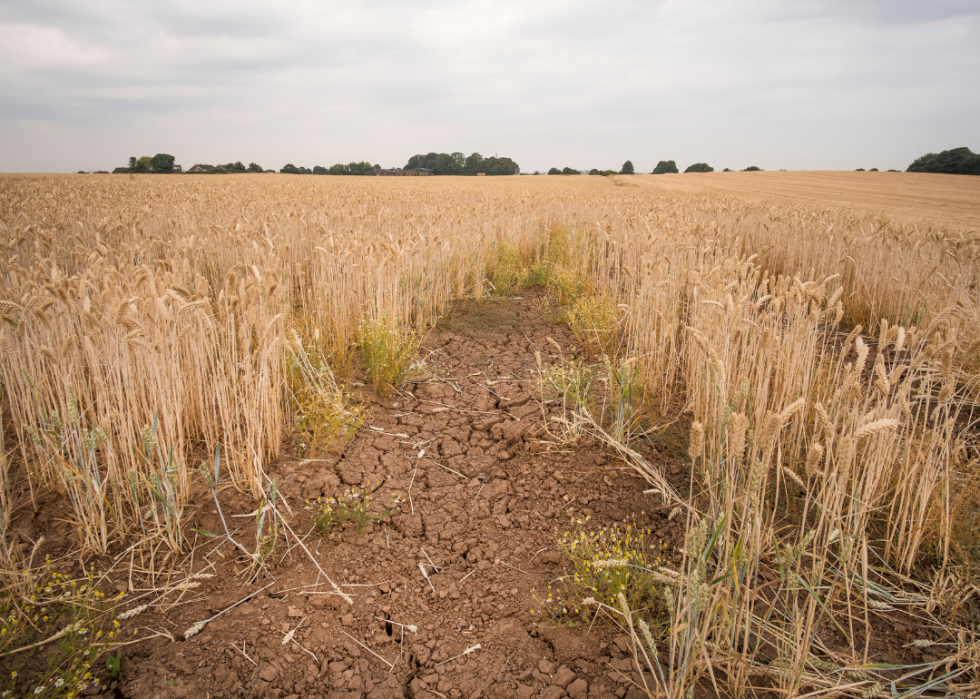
(486,510)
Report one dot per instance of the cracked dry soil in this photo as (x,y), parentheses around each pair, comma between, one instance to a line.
(490,528)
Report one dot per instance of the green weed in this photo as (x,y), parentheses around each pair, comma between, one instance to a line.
(614,560)
(350,506)
(506,269)
(266,537)
(68,622)
(594,320)
(624,399)
(571,382)
(113,664)
(606,563)
(323,413)
(388,352)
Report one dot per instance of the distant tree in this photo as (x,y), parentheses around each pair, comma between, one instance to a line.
(699,167)
(376,166)
(132,163)
(440,163)
(473,164)
(726,170)
(874,169)
(417,161)
(501,166)
(554,171)
(664,167)
(458,164)
(255,167)
(751,168)
(569,171)
(290,169)
(893,171)
(361,168)
(162,163)
(627,168)
(860,169)
(143,164)
(594,171)
(958,161)
(445,164)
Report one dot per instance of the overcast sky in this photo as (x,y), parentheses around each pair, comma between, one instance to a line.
(800,84)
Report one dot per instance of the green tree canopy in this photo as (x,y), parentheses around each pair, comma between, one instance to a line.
(458,164)
(554,171)
(361,168)
(752,168)
(627,168)
(958,161)
(665,166)
(161,162)
(569,171)
(473,164)
(699,167)
(255,167)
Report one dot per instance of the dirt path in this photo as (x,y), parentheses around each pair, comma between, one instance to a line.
(485,505)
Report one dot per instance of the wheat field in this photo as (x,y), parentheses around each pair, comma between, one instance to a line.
(950,200)
(820,359)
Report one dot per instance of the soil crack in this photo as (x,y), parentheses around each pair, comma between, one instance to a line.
(467,567)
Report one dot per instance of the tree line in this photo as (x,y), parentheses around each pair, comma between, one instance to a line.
(237,166)
(459,164)
(361,168)
(663,167)
(958,161)
(160,163)
(627,169)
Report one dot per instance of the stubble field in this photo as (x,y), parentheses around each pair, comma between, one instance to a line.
(538,436)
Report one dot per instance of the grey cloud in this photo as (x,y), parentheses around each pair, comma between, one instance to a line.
(878,12)
(546,83)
